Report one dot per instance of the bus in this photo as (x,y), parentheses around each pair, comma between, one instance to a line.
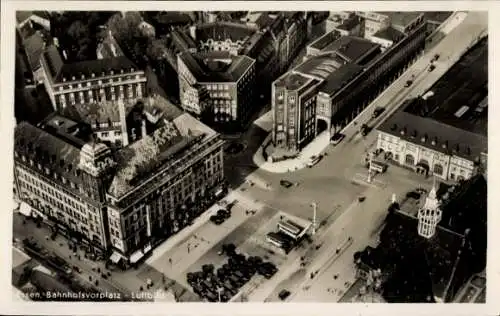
(276,240)
(291,229)
(378,166)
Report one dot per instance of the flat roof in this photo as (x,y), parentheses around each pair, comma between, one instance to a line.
(351,48)
(390,34)
(340,78)
(292,81)
(216,66)
(320,66)
(350,23)
(437,16)
(459,97)
(325,40)
(401,18)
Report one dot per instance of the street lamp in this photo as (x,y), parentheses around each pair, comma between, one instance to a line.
(219,291)
(315,207)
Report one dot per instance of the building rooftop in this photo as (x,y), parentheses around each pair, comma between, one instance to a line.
(435,135)
(48,150)
(60,71)
(34,46)
(19,257)
(401,19)
(437,16)
(325,40)
(223,30)
(216,66)
(292,81)
(260,19)
(260,47)
(340,78)
(22,16)
(390,34)
(109,47)
(351,48)
(138,160)
(350,23)
(459,97)
(320,66)
(439,254)
(182,40)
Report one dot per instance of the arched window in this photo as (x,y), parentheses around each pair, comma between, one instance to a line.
(409,160)
(438,169)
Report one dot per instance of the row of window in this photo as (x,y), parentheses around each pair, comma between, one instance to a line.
(93,95)
(97,82)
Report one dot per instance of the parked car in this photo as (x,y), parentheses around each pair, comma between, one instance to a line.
(413,195)
(408,83)
(337,138)
(431,68)
(364,130)
(436,57)
(284,294)
(216,219)
(223,213)
(378,111)
(313,161)
(286,183)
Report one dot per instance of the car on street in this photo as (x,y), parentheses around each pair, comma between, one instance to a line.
(431,68)
(364,130)
(435,58)
(337,138)
(378,110)
(223,213)
(313,161)
(216,219)
(408,83)
(286,183)
(413,195)
(284,294)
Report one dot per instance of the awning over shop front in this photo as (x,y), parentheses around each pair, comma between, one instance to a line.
(136,256)
(115,257)
(25,209)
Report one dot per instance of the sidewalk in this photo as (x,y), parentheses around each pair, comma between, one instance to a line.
(314,148)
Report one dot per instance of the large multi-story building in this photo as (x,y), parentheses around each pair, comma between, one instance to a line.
(272,40)
(444,132)
(351,71)
(120,201)
(217,85)
(404,22)
(90,81)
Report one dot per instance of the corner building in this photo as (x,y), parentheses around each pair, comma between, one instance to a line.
(121,202)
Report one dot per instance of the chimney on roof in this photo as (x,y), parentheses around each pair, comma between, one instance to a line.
(403,131)
(434,141)
(445,145)
(424,138)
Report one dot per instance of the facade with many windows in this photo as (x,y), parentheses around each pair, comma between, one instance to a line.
(351,71)
(93,81)
(125,201)
(217,86)
(444,132)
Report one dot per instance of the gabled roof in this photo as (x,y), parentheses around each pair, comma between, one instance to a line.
(53,151)
(34,47)
(439,136)
(59,70)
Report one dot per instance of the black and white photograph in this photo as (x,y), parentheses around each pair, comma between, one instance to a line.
(249,156)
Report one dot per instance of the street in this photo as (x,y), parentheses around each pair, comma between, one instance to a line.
(346,225)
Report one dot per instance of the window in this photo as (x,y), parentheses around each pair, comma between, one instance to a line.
(438,169)
(105,134)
